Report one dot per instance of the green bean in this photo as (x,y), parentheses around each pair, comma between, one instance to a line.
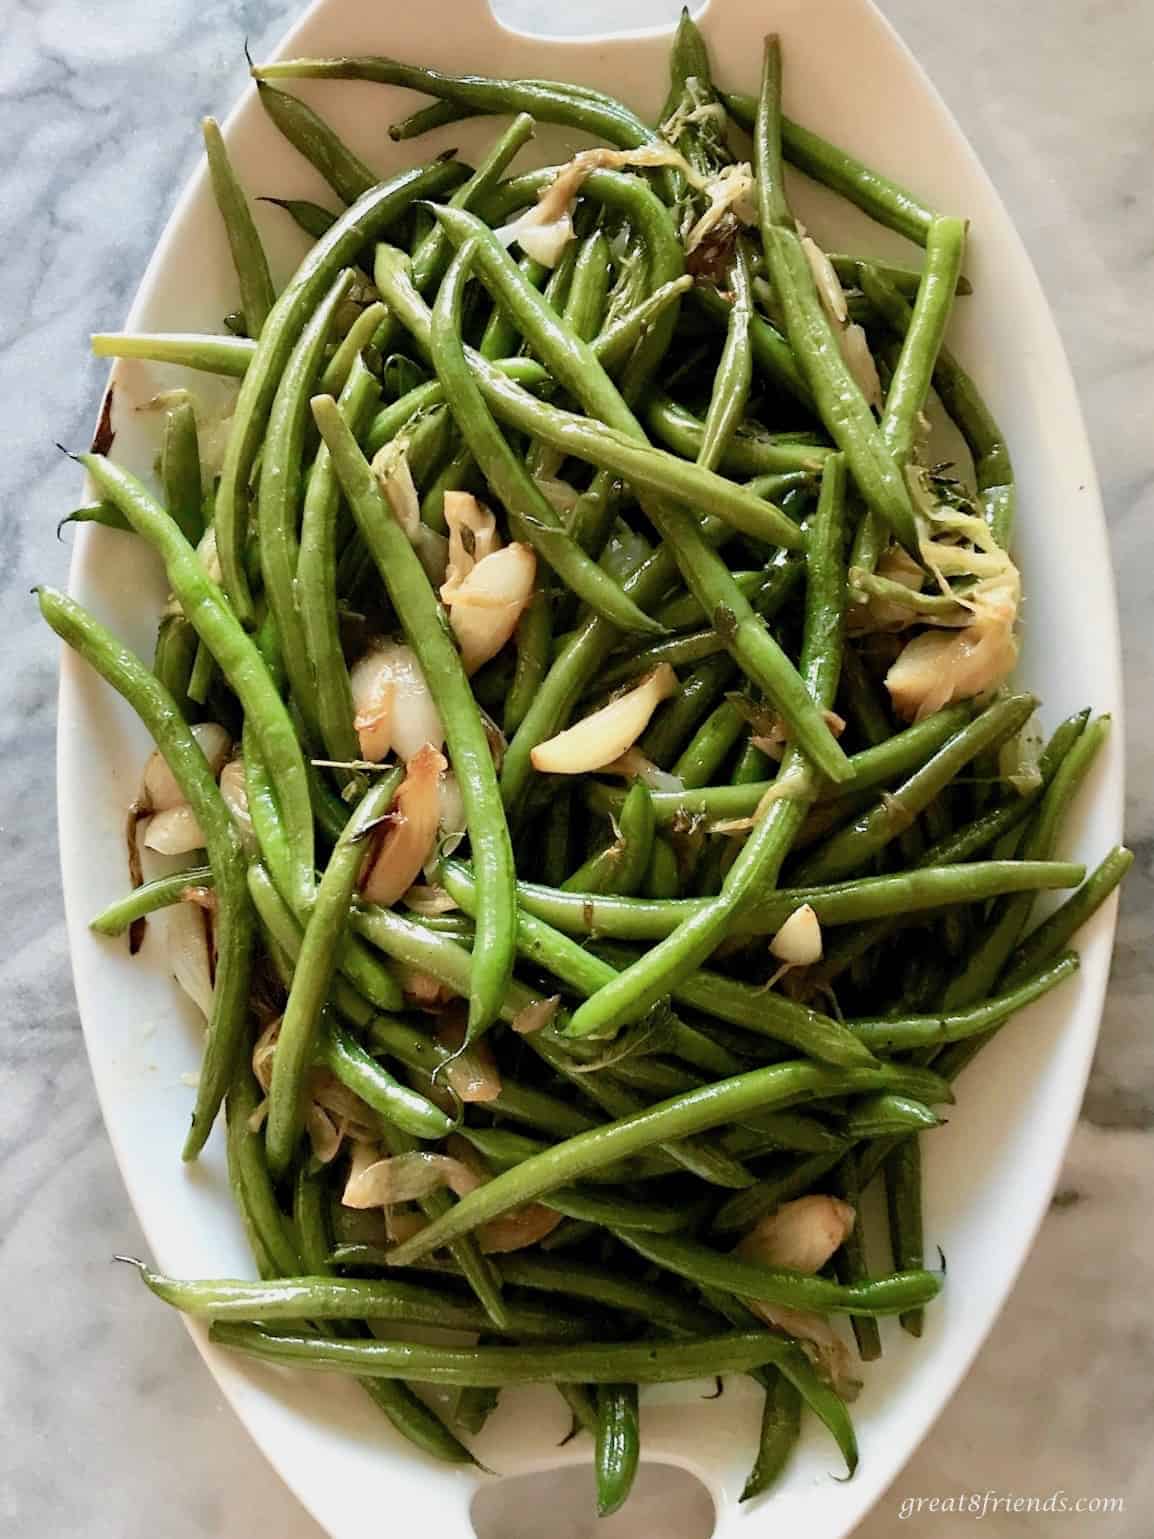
(313,975)
(252,1184)
(422,618)
(316,586)
(146,899)
(683,612)
(345,172)
(410,1415)
(662,879)
(987,960)
(585,437)
(621,868)
(905,279)
(882,199)
(194,349)
(903,1178)
(680,1117)
(772,354)
(1043,944)
(432,253)
(850,848)
(781,1286)
(105,513)
(334,251)
(362,1074)
(617,1446)
(606,1287)
(174,658)
(279,495)
(710,745)
(359,336)
(961,398)
(356,963)
(257,294)
(851,902)
(783,1130)
(731,383)
(345,1298)
(851,1262)
(670,963)
(615,342)
(599,1208)
(749,452)
(310,217)
(673,724)
(423,121)
(879,1116)
(532,640)
(914,369)
(842,406)
(180,471)
(503,1149)
(780,1425)
(547,101)
(645,1362)
(206,608)
(531,515)
(182,753)
(955,1025)
(588,293)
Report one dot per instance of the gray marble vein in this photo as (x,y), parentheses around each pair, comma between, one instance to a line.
(112,1429)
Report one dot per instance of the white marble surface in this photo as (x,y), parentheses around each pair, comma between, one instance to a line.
(111,1425)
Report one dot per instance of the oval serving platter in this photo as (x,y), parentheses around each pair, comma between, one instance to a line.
(989,1174)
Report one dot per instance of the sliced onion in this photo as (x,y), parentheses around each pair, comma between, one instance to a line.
(392,470)
(430,901)
(411,833)
(453,825)
(535,1015)
(834,1361)
(829,289)
(189,954)
(175,831)
(394,705)
(421,989)
(517,1228)
(262,1054)
(160,788)
(324,1134)
(472,536)
(801,1235)
(404,1225)
(472,1075)
(560,495)
(607,733)
(855,349)
(799,939)
(235,794)
(634,765)
(485,606)
(407,1178)
(731,191)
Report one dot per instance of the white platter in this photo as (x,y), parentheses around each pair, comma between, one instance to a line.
(991,1171)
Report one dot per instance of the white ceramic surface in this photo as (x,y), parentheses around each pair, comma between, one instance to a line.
(990,1172)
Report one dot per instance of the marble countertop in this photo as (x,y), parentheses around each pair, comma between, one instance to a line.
(112,1427)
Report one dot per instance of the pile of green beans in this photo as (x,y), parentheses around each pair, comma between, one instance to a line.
(573,1024)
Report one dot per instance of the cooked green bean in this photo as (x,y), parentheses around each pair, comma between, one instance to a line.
(903,1178)
(879,1116)
(180,471)
(1051,937)
(257,294)
(778,1285)
(749,452)
(645,1362)
(851,1262)
(193,349)
(184,757)
(312,976)
(340,245)
(340,1051)
(161,892)
(345,172)
(617,1446)
(864,898)
(421,616)
(734,375)
(780,1424)
(621,867)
